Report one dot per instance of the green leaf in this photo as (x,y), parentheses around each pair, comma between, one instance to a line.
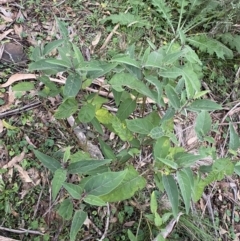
(208,105)
(42,64)
(117,96)
(36,54)
(62,28)
(191,55)
(94,200)
(79,156)
(198,189)
(153,203)
(125,79)
(126,108)
(72,86)
(145,124)
(172,96)
(126,60)
(203,124)
(66,209)
(49,162)
(73,189)
(66,109)
(172,192)
(53,88)
(105,68)
(160,238)
(161,147)
(77,222)
(48,48)
(89,66)
(164,10)
(131,236)
(157,132)
(237,168)
(234,141)
(77,54)
(121,129)
(97,126)
(59,178)
(184,159)
(145,55)
(171,72)
(169,163)
(200,94)
(132,182)
(157,220)
(233,40)
(192,82)
(67,154)
(184,183)
(23,86)
(58,62)
(158,85)
(106,150)
(155,59)
(126,19)
(210,45)
(87,113)
(104,183)
(84,167)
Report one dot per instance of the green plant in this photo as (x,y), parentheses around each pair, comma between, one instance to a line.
(169,78)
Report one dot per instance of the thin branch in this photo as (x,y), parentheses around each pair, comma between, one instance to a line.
(21,230)
(107,224)
(21,109)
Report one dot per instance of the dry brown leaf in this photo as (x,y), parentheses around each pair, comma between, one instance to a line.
(1,50)
(17,77)
(3,35)
(6,13)
(6,1)
(96,39)
(129,224)
(2,27)
(23,174)
(29,141)
(18,30)
(1,237)
(11,98)
(15,160)
(6,19)
(1,126)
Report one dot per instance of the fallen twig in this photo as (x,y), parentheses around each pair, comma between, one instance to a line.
(21,230)
(107,223)
(21,109)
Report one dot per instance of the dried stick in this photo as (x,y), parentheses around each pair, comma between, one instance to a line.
(21,230)
(107,224)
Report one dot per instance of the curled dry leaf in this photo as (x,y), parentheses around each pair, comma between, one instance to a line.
(2,27)
(96,39)
(10,100)
(15,160)
(23,174)
(6,13)
(29,141)
(18,30)
(6,1)
(3,35)
(1,126)
(1,50)
(17,77)
(4,238)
